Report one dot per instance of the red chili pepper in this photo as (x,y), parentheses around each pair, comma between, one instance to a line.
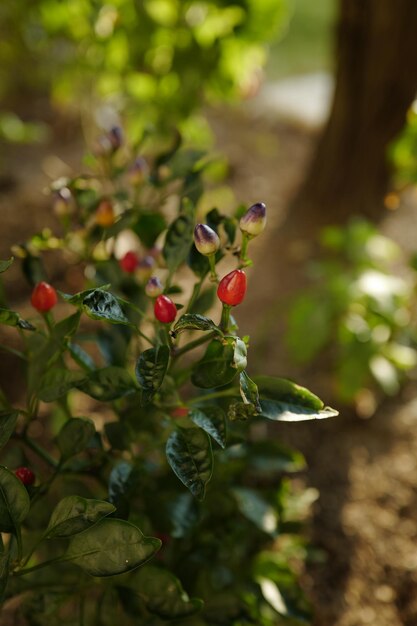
(44,297)
(25,475)
(232,288)
(129,262)
(164,309)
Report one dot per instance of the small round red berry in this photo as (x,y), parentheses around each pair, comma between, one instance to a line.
(25,475)
(44,297)
(179,411)
(253,221)
(154,287)
(129,262)
(232,288)
(206,239)
(164,309)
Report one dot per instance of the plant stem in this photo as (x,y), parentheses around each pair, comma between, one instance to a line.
(195,294)
(216,394)
(224,321)
(39,451)
(29,570)
(193,344)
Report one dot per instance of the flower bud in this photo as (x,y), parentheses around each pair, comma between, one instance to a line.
(206,239)
(104,215)
(254,220)
(145,268)
(115,136)
(138,171)
(154,287)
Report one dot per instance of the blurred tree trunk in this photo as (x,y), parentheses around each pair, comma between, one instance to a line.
(376,81)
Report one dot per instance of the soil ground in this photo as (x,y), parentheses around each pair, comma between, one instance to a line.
(365,520)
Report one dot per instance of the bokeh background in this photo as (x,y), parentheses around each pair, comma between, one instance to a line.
(309,107)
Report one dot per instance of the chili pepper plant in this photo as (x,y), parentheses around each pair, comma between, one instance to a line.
(138,480)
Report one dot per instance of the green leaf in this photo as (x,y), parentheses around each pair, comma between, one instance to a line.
(179,238)
(198,262)
(204,301)
(192,321)
(216,368)
(67,327)
(122,481)
(74,514)
(8,421)
(240,360)
(148,227)
(108,384)
(213,420)
(249,391)
(150,371)
(11,318)
(14,502)
(111,547)
(184,515)
(74,436)
(102,305)
(4,265)
(163,594)
(283,400)
(257,510)
(241,411)
(57,382)
(189,454)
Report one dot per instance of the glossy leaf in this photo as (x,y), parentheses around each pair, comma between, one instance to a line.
(102,305)
(11,318)
(8,421)
(109,383)
(123,479)
(67,327)
(189,454)
(74,436)
(4,265)
(283,400)
(4,573)
(163,594)
(211,418)
(192,321)
(217,367)
(184,514)
(240,353)
(14,501)
(150,371)
(249,391)
(148,227)
(74,514)
(257,510)
(57,382)
(111,547)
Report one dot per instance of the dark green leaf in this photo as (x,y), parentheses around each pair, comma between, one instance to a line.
(74,436)
(212,419)
(74,514)
(198,262)
(119,435)
(184,515)
(11,318)
(189,454)
(81,357)
(102,305)
(4,265)
(123,479)
(216,368)
(204,301)
(179,238)
(256,509)
(14,502)
(150,371)
(8,421)
(163,594)
(111,547)
(241,411)
(57,382)
(192,321)
(240,354)
(249,391)
(67,327)
(77,298)
(283,400)
(33,269)
(109,383)
(148,227)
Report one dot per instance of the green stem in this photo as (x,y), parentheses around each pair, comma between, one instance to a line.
(213,274)
(41,452)
(225,319)
(195,294)
(243,256)
(34,568)
(141,334)
(193,344)
(216,394)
